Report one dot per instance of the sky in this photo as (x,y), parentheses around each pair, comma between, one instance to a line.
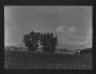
(71,24)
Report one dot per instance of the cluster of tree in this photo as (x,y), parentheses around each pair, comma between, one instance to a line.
(47,40)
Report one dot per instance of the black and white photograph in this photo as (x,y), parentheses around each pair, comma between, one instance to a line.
(48,37)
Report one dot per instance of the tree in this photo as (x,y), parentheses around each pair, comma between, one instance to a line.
(53,44)
(49,42)
(44,42)
(31,41)
(26,40)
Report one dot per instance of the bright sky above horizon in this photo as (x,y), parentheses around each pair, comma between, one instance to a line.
(72,24)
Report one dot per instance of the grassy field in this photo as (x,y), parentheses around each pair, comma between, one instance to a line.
(37,60)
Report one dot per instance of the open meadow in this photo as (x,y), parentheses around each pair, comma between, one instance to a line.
(48,37)
(39,60)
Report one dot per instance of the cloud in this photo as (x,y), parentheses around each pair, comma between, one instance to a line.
(73,39)
(72,29)
(89,39)
(60,29)
(87,42)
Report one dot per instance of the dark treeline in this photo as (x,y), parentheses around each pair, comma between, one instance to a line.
(47,40)
(86,50)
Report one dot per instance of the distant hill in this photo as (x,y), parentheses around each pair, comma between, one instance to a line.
(60,45)
(15,48)
(71,47)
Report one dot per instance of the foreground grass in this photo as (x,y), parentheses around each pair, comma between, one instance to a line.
(37,60)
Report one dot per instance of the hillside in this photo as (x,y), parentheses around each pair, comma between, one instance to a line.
(72,47)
